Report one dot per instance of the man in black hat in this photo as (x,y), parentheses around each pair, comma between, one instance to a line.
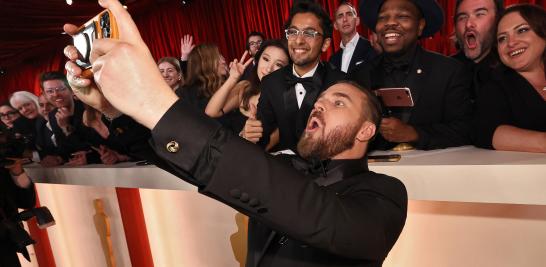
(475,28)
(439,85)
(289,93)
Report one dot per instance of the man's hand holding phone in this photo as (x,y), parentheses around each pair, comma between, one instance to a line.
(125,71)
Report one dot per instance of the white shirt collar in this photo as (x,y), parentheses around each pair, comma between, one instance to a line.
(308,74)
(353,42)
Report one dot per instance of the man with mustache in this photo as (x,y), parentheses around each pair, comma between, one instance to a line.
(475,28)
(355,49)
(289,93)
(336,213)
(439,85)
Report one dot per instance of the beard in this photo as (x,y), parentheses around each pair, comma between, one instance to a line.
(327,146)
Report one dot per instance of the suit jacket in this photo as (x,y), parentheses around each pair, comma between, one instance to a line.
(349,217)
(44,143)
(278,105)
(363,54)
(81,137)
(440,88)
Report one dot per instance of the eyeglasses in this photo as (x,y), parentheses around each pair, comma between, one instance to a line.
(50,91)
(292,33)
(8,114)
(257,43)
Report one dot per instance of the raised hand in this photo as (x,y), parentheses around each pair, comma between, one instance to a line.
(237,67)
(186,46)
(127,74)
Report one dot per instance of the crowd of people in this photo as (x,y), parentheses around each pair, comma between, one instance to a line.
(280,96)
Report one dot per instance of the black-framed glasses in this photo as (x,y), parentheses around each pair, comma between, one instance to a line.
(50,91)
(292,33)
(257,43)
(8,114)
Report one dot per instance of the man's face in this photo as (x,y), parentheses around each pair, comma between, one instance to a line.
(346,20)
(334,123)
(304,50)
(57,93)
(254,43)
(398,26)
(475,27)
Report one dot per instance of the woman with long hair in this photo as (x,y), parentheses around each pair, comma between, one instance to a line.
(511,109)
(207,70)
(241,97)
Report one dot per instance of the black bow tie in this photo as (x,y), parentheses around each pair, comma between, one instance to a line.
(307,83)
(390,66)
(311,167)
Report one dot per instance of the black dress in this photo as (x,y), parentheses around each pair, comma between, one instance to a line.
(508,99)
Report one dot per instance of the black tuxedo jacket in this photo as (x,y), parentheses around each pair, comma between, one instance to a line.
(278,105)
(363,54)
(349,217)
(440,88)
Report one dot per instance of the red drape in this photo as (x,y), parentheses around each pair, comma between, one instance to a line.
(225,23)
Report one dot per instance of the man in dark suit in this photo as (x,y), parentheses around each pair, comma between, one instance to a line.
(288,94)
(439,85)
(475,28)
(355,49)
(337,214)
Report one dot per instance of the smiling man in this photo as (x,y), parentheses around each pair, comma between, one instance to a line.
(439,85)
(288,94)
(355,49)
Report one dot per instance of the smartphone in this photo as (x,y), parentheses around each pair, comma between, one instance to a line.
(395,97)
(384,158)
(101,26)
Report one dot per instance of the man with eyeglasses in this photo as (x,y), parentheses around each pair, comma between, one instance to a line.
(66,120)
(254,40)
(288,94)
(355,49)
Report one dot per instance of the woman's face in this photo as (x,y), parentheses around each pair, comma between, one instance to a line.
(8,115)
(272,59)
(222,66)
(519,46)
(27,109)
(170,74)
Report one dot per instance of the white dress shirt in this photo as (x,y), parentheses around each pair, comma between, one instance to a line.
(300,91)
(348,51)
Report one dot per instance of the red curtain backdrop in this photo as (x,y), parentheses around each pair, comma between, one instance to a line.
(225,23)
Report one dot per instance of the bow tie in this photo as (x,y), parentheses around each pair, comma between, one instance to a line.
(311,167)
(395,65)
(307,83)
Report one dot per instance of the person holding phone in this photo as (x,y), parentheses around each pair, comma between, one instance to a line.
(440,86)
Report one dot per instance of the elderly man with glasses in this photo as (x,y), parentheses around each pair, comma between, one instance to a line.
(288,94)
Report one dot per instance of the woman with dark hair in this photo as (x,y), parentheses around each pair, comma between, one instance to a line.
(241,97)
(206,73)
(8,115)
(511,110)
(171,72)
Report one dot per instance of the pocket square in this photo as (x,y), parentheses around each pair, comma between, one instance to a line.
(358,63)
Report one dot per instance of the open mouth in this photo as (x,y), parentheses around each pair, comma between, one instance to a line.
(517,52)
(314,124)
(470,40)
